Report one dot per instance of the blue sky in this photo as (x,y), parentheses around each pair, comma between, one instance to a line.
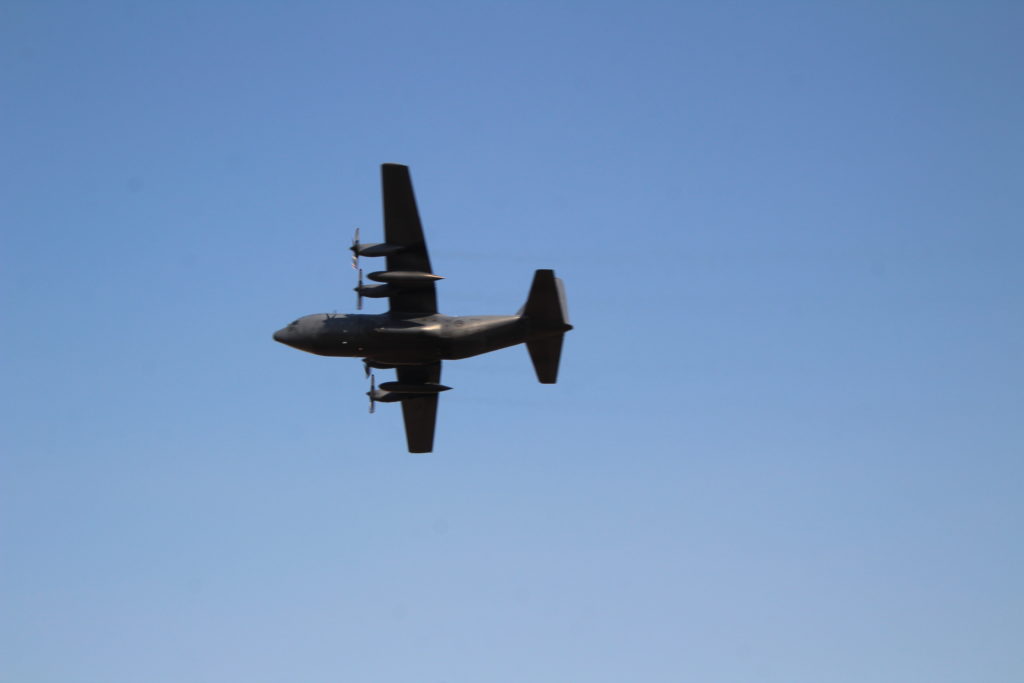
(787,441)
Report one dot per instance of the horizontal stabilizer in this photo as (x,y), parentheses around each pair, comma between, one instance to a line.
(545,354)
(548,318)
(545,306)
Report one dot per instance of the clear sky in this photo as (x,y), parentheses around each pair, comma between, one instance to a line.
(787,444)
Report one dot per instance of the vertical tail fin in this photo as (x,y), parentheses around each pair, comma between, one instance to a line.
(548,315)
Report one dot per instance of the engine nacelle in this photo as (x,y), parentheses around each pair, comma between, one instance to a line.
(378,365)
(407,388)
(375,291)
(379,249)
(384,396)
(404,278)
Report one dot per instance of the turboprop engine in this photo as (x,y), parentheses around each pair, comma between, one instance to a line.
(393,280)
(403,278)
(393,392)
(405,388)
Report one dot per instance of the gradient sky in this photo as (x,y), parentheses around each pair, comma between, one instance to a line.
(787,444)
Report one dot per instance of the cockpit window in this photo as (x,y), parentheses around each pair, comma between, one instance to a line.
(293,323)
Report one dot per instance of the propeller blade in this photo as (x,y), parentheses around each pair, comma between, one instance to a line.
(355,250)
(370,393)
(366,368)
(359,292)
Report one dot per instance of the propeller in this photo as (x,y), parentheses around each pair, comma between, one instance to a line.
(355,250)
(371,392)
(366,367)
(359,292)
(355,264)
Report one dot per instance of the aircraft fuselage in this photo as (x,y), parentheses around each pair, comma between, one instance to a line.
(391,339)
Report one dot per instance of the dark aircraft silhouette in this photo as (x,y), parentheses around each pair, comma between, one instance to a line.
(412,337)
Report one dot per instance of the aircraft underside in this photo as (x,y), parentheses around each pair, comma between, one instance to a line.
(412,337)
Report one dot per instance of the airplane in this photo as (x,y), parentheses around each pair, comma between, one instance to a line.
(412,337)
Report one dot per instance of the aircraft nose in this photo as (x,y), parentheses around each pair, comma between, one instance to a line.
(281,335)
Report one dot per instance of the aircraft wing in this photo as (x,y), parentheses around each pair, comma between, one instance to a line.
(402,227)
(420,413)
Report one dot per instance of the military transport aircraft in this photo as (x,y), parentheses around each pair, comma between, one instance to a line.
(412,337)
